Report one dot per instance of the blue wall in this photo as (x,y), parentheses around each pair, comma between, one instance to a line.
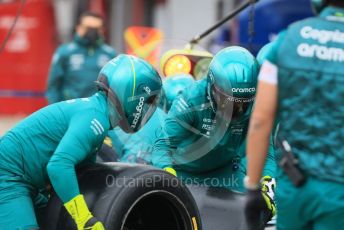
(270,17)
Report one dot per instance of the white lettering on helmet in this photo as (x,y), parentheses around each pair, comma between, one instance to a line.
(138,113)
(244,90)
(148,90)
(240,100)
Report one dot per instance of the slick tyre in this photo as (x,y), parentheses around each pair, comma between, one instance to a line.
(130,197)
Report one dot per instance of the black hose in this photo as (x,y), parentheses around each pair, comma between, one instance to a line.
(19,12)
(232,14)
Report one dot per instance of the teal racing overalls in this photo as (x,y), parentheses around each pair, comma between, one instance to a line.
(44,149)
(309,56)
(201,147)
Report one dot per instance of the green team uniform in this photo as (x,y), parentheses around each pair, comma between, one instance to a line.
(309,56)
(74,68)
(200,147)
(138,147)
(44,148)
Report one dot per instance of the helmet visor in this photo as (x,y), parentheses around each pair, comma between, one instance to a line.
(231,108)
(133,122)
(115,110)
(148,109)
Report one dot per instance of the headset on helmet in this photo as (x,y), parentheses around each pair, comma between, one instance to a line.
(174,86)
(132,87)
(232,81)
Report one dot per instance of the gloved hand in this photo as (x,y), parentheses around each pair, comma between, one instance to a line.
(108,141)
(83,218)
(171,170)
(259,204)
(254,208)
(268,191)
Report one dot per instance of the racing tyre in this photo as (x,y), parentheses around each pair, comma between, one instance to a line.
(130,197)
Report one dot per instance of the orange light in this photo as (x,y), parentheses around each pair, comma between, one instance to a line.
(177,64)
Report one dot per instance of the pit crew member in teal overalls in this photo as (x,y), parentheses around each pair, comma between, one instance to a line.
(204,135)
(301,84)
(46,147)
(75,65)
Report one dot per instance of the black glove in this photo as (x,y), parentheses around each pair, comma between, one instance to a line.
(256,209)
